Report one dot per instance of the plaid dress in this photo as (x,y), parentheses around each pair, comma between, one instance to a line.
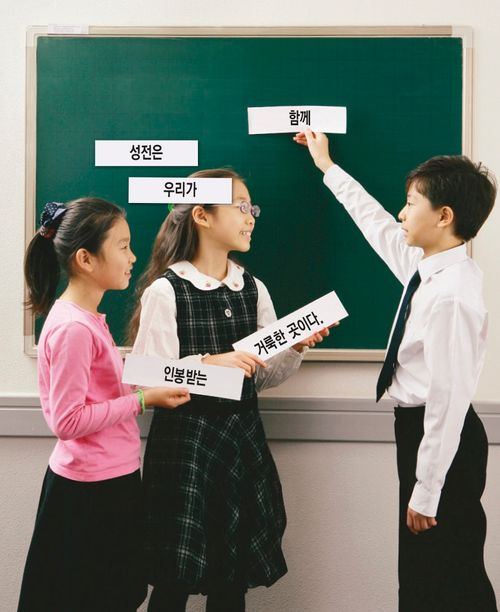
(214,508)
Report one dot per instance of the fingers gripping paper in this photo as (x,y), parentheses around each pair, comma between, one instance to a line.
(294,328)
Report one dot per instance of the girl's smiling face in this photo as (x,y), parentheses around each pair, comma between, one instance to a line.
(113,265)
(231,228)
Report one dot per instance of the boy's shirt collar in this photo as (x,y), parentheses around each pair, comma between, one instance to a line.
(234,278)
(435,263)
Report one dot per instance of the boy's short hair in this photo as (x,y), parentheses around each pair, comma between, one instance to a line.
(454,180)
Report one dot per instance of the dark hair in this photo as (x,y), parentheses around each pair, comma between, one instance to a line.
(468,189)
(177,240)
(84,225)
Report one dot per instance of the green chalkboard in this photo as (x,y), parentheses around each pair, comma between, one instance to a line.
(404,105)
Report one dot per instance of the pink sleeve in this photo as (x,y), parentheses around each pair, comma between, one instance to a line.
(70,416)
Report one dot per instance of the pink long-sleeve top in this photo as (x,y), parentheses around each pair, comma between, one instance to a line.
(84,402)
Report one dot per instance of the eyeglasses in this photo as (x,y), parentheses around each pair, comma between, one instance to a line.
(245,207)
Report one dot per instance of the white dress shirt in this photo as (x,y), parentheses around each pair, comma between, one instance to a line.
(443,347)
(157,333)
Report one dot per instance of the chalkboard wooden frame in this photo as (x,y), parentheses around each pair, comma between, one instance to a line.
(35,33)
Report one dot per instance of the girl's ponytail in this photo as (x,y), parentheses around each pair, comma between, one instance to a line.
(41,271)
(41,266)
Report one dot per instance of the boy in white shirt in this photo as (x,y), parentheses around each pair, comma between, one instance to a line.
(431,371)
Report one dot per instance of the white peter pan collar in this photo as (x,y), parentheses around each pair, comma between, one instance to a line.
(233,280)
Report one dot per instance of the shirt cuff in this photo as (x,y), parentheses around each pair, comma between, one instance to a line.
(423,501)
(137,403)
(295,355)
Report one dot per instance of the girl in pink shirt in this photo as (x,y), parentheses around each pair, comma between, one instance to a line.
(85,554)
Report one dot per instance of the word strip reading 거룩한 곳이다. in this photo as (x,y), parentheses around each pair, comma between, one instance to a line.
(293,328)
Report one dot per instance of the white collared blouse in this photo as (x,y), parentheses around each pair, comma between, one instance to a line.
(157,333)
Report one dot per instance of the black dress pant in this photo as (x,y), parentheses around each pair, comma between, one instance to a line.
(442,569)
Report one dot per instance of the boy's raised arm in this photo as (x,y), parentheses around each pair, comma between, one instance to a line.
(378,226)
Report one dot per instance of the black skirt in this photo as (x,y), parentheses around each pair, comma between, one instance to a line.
(442,569)
(86,550)
(213,503)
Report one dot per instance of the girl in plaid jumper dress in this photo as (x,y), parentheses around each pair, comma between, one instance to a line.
(214,509)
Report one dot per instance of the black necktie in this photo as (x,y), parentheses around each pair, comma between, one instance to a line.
(387,372)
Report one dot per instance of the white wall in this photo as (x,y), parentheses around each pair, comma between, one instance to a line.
(341,498)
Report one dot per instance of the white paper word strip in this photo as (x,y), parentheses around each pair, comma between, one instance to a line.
(293,328)
(284,119)
(146,152)
(157,190)
(216,381)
